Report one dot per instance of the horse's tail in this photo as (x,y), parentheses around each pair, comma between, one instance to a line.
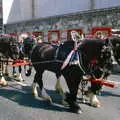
(28,71)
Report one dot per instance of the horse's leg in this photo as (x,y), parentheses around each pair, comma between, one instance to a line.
(34,87)
(73,80)
(5,69)
(3,82)
(37,77)
(20,78)
(38,80)
(18,75)
(14,72)
(58,87)
(25,69)
(28,71)
(92,95)
(72,97)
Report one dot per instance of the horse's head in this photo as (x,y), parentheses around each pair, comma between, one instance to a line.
(97,55)
(105,59)
(28,44)
(9,46)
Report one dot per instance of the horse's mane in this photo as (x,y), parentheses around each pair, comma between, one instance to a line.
(95,42)
(91,48)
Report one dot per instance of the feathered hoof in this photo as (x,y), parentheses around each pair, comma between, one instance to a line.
(34,89)
(15,75)
(76,110)
(28,72)
(79,112)
(45,96)
(19,78)
(48,100)
(58,88)
(3,83)
(6,74)
(64,103)
(96,104)
(59,91)
(34,94)
(94,101)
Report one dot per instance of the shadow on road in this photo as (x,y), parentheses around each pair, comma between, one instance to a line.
(106,93)
(25,98)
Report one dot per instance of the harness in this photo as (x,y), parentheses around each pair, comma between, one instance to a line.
(74,57)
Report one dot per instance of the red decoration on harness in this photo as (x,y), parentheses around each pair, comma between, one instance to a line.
(20,64)
(17,62)
(103,82)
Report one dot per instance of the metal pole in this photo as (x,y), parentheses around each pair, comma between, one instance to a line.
(33,8)
(92,4)
(1,16)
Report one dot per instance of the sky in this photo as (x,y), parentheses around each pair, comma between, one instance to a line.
(6,9)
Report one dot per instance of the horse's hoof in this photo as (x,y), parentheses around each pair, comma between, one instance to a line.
(59,91)
(34,94)
(76,110)
(49,101)
(96,104)
(6,74)
(94,101)
(15,75)
(84,101)
(28,73)
(58,88)
(34,89)
(79,112)
(63,102)
(22,80)
(19,80)
(4,83)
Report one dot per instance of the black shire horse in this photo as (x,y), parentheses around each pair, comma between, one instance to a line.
(25,49)
(8,49)
(48,57)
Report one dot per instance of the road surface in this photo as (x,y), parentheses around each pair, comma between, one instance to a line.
(17,102)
